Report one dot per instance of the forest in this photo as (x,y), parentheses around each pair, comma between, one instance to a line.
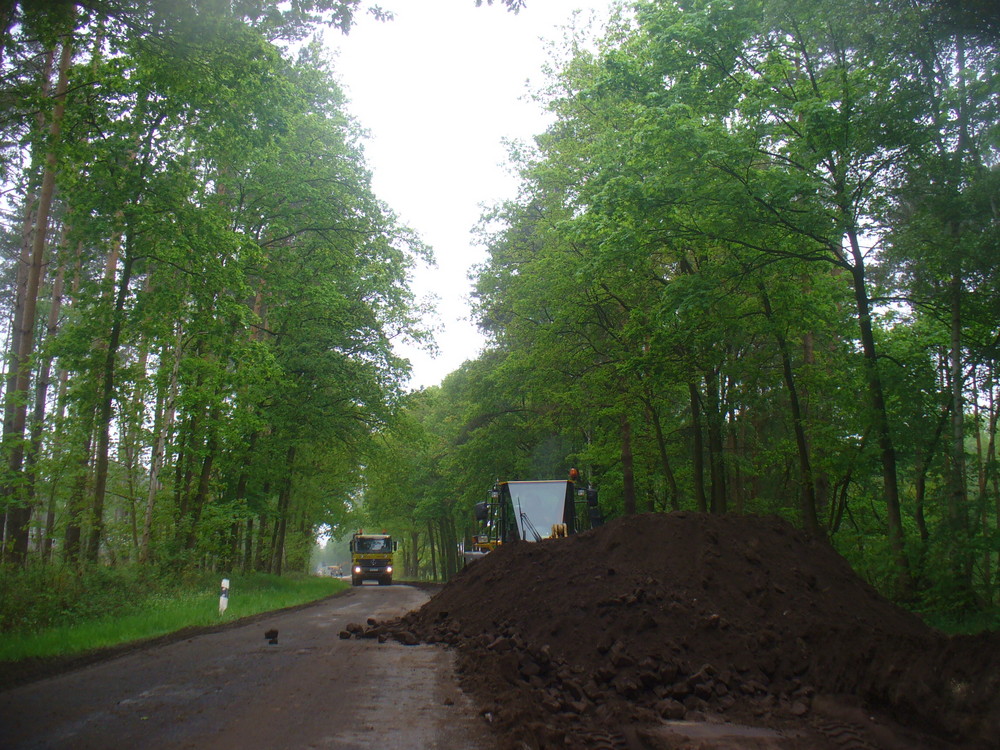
(751,268)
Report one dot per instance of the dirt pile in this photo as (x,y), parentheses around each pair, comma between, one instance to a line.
(576,642)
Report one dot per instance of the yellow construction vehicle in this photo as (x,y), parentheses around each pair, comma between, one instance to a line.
(371,558)
(532,511)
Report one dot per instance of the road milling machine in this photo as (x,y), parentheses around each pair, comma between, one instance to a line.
(533,510)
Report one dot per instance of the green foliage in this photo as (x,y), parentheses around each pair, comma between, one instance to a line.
(750,267)
(44,596)
(233,288)
(690,299)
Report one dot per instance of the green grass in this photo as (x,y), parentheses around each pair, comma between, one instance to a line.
(160,613)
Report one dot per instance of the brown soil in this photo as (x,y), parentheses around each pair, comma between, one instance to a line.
(654,629)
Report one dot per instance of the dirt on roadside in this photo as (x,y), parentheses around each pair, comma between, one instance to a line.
(702,631)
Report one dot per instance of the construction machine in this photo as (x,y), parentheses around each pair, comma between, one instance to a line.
(532,510)
(371,558)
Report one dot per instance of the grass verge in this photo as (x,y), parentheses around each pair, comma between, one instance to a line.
(194,605)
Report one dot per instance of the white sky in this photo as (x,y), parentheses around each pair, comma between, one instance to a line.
(438,88)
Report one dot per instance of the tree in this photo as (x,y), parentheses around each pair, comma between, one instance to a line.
(236,290)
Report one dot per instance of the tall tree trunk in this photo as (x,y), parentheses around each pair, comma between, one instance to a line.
(661,446)
(204,476)
(262,528)
(807,490)
(982,500)
(163,423)
(821,479)
(247,565)
(28,226)
(77,504)
(958,497)
(19,513)
(105,409)
(697,450)
(61,405)
(188,438)
(453,556)
(737,433)
(442,527)
(445,548)
(272,559)
(430,545)
(131,425)
(880,420)
(284,498)
(413,558)
(628,470)
(240,501)
(992,473)
(87,408)
(41,397)
(922,461)
(716,445)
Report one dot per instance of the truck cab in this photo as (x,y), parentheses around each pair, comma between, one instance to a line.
(371,558)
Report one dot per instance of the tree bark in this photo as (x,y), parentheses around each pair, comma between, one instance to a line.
(204,477)
(105,409)
(284,498)
(19,513)
(41,397)
(668,474)
(430,544)
(807,489)
(697,450)
(77,504)
(880,419)
(247,565)
(958,497)
(262,524)
(992,474)
(163,423)
(413,558)
(628,469)
(716,445)
(922,461)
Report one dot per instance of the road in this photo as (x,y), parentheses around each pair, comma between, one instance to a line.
(232,689)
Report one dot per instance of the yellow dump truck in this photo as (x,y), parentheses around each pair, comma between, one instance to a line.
(371,558)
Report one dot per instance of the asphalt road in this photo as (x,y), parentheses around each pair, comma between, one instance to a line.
(232,689)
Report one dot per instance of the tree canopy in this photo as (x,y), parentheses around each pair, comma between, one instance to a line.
(203,289)
(751,268)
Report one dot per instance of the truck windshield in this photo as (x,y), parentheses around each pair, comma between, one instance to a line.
(537,505)
(371,545)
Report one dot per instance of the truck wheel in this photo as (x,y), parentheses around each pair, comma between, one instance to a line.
(355,581)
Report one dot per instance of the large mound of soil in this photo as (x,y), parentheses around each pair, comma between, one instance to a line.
(576,642)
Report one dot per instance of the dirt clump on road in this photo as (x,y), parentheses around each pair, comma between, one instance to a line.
(703,631)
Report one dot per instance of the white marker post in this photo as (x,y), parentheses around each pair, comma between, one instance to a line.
(224,596)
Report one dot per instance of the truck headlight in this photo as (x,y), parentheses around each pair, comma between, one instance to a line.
(357,568)
(388,569)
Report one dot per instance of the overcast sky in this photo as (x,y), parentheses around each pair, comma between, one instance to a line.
(439,88)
